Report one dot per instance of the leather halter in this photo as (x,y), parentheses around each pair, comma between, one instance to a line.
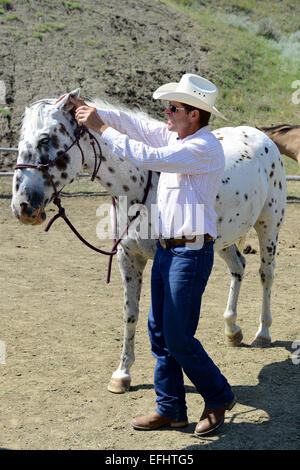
(79,132)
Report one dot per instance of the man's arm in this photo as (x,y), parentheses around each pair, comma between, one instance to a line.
(190,158)
(148,131)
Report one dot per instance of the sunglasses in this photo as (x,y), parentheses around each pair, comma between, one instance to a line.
(173,108)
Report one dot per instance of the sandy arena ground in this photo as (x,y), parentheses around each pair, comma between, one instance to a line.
(61,325)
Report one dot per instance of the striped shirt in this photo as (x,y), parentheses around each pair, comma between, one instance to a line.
(191,170)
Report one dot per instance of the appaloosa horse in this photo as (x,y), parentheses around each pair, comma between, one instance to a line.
(252,194)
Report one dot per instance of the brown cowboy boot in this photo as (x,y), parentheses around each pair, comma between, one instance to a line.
(212,418)
(155,421)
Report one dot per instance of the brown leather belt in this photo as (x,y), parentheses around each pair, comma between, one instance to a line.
(168,243)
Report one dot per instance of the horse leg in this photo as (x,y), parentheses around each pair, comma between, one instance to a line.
(131,268)
(236,265)
(268,242)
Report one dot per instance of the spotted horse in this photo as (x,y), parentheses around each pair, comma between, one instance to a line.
(252,194)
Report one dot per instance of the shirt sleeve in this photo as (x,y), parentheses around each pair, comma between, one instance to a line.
(138,127)
(177,158)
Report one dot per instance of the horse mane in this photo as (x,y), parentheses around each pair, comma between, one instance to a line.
(33,115)
(135,112)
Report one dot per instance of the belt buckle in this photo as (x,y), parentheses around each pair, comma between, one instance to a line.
(163,243)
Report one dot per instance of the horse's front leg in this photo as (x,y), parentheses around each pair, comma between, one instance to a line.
(131,268)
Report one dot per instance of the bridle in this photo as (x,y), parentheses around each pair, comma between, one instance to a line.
(79,132)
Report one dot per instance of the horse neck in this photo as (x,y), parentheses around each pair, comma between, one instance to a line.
(120,177)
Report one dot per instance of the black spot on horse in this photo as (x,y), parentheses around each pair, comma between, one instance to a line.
(237,276)
(55,141)
(61,163)
(62,129)
(266,149)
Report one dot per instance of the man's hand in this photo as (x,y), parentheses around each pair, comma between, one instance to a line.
(87,115)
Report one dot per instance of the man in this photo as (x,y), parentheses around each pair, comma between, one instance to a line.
(191,162)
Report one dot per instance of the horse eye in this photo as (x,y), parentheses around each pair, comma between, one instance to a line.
(44,140)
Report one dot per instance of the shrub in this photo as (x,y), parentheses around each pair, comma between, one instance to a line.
(268,30)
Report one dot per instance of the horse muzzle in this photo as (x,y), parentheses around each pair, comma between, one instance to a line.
(31,216)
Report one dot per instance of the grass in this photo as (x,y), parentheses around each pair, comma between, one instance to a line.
(49,27)
(7,4)
(73,5)
(254,58)
(5,112)
(12,17)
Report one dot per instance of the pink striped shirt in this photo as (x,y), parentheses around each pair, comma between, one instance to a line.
(191,169)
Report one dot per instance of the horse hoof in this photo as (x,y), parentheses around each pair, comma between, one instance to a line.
(118,385)
(261,343)
(236,339)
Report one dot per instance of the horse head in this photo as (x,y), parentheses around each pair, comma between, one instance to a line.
(47,134)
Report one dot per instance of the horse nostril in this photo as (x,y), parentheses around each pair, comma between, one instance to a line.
(25,209)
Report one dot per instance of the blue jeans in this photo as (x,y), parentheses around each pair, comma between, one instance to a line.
(178,280)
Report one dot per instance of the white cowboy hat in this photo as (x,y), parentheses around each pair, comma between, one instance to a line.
(193,90)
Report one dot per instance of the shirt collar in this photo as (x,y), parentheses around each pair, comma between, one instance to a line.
(198,133)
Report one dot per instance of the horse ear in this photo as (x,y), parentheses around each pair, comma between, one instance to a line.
(64,102)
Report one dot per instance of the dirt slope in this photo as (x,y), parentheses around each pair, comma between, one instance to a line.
(119,50)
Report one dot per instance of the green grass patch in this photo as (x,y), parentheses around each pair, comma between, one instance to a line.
(93,43)
(253,75)
(49,27)
(5,112)
(7,4)
(12,17)
(73,5)
(253,61)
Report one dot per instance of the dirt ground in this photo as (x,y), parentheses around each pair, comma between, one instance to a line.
(119,51)
(62,328)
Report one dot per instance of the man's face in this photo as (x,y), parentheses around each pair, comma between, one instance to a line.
(177,120)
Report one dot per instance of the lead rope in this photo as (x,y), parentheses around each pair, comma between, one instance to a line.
(79,132)
(61,213)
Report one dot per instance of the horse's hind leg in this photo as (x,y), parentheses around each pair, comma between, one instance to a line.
(131,268)
(236,265)
(267,235)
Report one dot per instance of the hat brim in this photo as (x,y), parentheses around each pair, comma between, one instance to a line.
(168,92)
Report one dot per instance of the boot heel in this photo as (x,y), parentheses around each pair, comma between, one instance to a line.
(231,404)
